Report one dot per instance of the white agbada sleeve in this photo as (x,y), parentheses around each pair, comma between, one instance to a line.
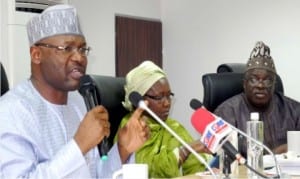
(33,139)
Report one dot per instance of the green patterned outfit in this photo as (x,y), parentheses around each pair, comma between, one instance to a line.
(158,153)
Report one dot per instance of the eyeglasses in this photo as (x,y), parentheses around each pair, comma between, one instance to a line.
(161,99)
(253,81)
(67,50)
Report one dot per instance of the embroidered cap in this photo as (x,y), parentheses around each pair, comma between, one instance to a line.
(260,58)
(56,20)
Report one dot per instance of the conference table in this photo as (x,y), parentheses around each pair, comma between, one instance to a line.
(240,173)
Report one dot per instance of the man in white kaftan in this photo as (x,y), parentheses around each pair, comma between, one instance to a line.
(32,131)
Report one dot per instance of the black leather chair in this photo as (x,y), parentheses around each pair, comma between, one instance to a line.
(218,87)
(4,86)
(227,82)
(111,94)
(231,67)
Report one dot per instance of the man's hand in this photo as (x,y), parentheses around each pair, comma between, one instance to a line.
(93,128)
(133,135)
(280,149)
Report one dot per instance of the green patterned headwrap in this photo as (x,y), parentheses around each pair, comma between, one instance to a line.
(141,79)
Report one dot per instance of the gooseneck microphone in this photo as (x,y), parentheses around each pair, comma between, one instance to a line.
(230,153)
(89,93)
(215,133)
(137,101)
(202,119)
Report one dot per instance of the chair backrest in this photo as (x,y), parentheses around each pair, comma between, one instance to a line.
(218,87)
(231,67)
(111,94)
(4,86)
(227,82)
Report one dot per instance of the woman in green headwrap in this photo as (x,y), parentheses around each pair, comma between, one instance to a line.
(163,153)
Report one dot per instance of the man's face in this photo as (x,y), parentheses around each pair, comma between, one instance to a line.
(259,87)
(63,61)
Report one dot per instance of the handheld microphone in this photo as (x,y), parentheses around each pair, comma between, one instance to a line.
(197,105)
(89,93)
(137,101)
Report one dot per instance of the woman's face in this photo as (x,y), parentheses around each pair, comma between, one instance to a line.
(160,98)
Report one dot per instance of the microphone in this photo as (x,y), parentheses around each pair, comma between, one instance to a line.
(230,156)
(89,93)
(195,104)
(202,112)
(137,100)
(215,133)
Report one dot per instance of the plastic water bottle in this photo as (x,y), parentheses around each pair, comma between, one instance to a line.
(255,129)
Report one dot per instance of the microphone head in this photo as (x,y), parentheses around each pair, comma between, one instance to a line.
(195,104)
(135,98)
(201,118)
(85,82)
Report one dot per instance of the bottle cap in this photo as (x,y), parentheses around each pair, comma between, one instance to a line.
(254,116)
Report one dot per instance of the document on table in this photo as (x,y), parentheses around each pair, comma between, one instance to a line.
(287,162)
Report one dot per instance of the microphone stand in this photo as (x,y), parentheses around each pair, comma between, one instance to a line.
(142,105)
(226,165)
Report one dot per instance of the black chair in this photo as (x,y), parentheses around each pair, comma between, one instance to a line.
(231,67)
(111,94)
(4,86)
(218,87)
